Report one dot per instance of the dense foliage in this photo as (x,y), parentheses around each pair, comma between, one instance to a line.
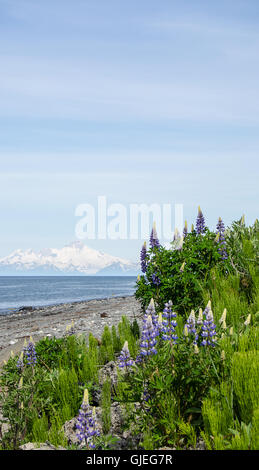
(188,371)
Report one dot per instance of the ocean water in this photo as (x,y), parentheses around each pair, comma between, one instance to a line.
(37,291)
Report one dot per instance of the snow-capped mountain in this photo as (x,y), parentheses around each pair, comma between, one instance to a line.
(75,258)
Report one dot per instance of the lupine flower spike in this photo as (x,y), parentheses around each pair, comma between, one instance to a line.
(20,363)
(169,323)
(86,424)
(124,358)
(200,317)
(200,222)
(191,327)
(30,353)
(185,229)
(143,256)
(208,328)
(220,239)
(148,338)
(223,316)
(153,237)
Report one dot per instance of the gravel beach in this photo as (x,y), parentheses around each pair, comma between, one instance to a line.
(88,316)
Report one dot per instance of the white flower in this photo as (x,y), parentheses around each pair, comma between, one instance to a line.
(185,331)
(223,316)
(200,317)
(126,347)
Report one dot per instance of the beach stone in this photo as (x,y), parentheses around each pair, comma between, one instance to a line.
(109,371)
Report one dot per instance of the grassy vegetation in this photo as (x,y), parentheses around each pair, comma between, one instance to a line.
(195,370)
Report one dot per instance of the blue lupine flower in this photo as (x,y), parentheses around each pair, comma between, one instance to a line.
(146,397)
(155,279)
(30,353)
(124,358)
(86,425)
(143,258)
(150,330)
(168,323)
(154,242)
(191,326)
(221,239)
(208,329)
(148,337)
(151,311)
(20,363)
(200,222)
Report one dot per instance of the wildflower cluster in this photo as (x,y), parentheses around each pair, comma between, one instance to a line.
(192,253)
(203,330)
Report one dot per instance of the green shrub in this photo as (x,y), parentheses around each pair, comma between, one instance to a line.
(245,375)
(181,272)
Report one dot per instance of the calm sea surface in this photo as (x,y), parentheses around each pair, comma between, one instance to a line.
(36,291)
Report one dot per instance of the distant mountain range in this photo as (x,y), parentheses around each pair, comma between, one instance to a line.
(73,259)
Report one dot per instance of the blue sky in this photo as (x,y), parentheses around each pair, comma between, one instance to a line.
(144,102)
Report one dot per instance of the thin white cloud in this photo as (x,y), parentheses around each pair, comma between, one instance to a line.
(59,88)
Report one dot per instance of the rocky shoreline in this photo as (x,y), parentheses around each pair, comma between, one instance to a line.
(88,316)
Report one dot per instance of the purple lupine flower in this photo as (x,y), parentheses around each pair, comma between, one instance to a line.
(191,326)
(143,258)
(154,242)
(146,397)
(148,338)
(155,279)
(168,323)
(86,425)
(20,363)
(208,329)
(30,353)
(200,222)
(152,311)
(149,333)
(221,239)
(185,229)
(124,358)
